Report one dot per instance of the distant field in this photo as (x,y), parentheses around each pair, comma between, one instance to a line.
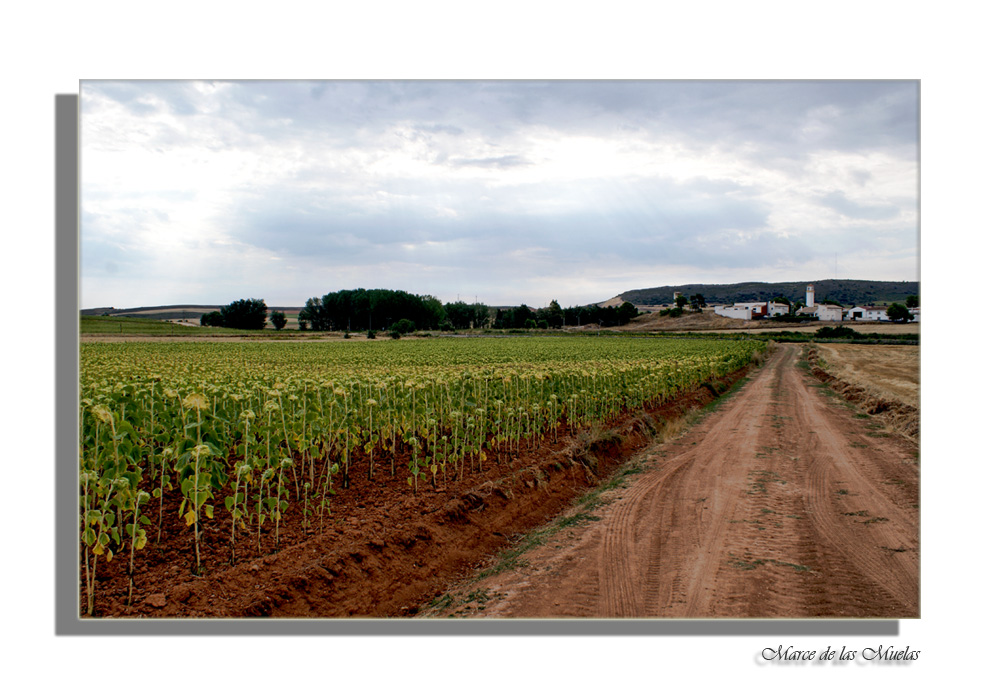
(860,327)
(98,325)
(708,321)
(180,314)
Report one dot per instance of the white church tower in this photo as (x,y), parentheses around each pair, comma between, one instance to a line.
(810,296)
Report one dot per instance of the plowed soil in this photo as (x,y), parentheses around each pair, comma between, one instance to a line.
(785,503)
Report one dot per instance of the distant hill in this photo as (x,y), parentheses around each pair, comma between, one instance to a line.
(848,292)
(174,312)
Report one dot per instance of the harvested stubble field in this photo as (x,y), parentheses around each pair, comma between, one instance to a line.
(882,380)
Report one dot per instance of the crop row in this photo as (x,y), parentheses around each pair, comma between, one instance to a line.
(255,426)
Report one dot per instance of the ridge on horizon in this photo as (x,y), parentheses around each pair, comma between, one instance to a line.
(852,291)
(844,291)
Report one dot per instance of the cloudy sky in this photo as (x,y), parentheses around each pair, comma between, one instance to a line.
(502,192)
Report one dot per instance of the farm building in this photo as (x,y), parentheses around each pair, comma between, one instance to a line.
(742,311)
(733,312)
(868,312)
(777,309)
(825,313)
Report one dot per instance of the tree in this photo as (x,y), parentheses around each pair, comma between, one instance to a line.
(460,314)
(913,301)
(898,313)
(680,302)
(480,315)
(278,319)
(551,315)
(434,314)
(212,319)
(698,301)
(245,314)
(625,312)
(311,316)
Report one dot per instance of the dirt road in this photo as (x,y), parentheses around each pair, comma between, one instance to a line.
(784,503)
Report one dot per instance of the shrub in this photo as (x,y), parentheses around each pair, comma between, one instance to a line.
(403,326)
(836,333)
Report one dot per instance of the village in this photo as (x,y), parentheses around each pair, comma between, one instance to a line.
(825,312)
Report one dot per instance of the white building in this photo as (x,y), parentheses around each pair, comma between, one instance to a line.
(869,313)
(742,311)
(777,309)
(825,313)
(734,311)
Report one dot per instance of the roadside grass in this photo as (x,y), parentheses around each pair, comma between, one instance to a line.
(512,557)
(581,508)
(722,398)
(477,597)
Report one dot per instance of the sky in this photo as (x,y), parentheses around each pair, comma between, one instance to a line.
(502,192)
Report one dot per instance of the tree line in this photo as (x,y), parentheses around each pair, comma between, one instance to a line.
(399,311)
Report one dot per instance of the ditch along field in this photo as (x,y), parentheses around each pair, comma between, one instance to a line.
(785,502)
(234,480)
